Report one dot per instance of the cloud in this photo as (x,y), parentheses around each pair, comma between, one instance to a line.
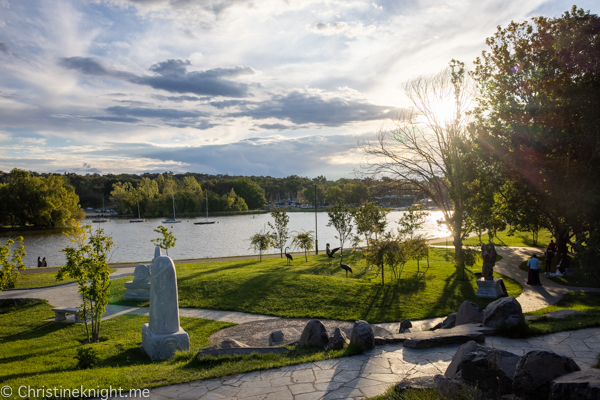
(179,99)
(334,28)
(162,113)
(116,119)
(316,108)
(171,76)
(277,127)
(228,103)
(4,48)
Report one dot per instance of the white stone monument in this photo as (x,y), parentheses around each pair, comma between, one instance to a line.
(139,287)
(162,336)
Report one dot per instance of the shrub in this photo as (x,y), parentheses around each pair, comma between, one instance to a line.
(87,357)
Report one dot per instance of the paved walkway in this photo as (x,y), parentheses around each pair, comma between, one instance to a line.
(366,375)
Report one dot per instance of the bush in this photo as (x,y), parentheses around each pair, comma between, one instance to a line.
(87,357)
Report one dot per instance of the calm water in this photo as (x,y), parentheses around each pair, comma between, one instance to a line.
(228,237)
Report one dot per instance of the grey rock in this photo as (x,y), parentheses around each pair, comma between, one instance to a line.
(421,382)
(448,387)
(314,334)
(580,385)
(504,310)
(449,322)
(276,338)
(338,340)
(443,337)
(404,325)
(536,370)
(469,313)
(488,369)
(362,334)
(380,341)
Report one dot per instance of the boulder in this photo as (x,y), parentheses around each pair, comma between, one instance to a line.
(405,325)
(314,334)
(580,385)
(490,370)
(339,340)
(536,370)
(444,337)
(229,344)
(276,338)
(380,341)
(362,334)
(469,313)
(504,310)
(449,322)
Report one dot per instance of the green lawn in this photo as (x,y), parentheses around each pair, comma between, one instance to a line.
(315,289)
(40,353)
(41,279)
(519,239)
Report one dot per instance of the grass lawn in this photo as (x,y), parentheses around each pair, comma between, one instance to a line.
(41,279)
(315,289)
(42,353)
(587,302)
(578,278)
(519,239)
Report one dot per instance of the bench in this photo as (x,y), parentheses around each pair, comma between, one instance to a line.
(60,313)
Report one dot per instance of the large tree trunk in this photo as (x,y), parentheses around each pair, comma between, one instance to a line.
(562,237)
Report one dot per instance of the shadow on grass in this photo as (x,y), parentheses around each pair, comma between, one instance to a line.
(36,332)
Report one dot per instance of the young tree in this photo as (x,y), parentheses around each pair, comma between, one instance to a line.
(166,241)
(370,220)
(388,251)
(262,241)
(340,217)
(412,220)
(305,241)
(430,146)
(10,268)
(87,264)
(280,227)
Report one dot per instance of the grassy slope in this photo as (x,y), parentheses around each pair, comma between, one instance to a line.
(41,354)
(42,279)
(519,239)
(315,289)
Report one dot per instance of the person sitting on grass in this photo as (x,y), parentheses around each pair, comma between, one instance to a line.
(563,264)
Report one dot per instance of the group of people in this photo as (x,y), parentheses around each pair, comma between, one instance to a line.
(42,263)
(533,277)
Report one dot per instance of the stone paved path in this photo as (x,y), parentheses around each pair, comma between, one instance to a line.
(368,374)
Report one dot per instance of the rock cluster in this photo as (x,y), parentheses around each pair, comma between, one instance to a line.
(536,375)
(506,311)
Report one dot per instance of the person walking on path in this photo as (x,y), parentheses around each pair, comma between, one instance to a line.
(534,271)
(39,262)
(44,264)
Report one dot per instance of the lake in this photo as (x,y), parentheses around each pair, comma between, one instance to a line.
(229,236)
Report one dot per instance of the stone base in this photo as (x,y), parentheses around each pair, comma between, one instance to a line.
(137,291)
(162,346)
(491,289)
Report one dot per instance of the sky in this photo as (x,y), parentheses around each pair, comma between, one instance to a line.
(237,87)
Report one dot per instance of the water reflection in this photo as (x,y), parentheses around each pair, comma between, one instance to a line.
(228,237)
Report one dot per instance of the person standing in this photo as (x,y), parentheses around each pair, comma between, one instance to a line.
(44,264)
(550,250)
(39,262)
(534,271)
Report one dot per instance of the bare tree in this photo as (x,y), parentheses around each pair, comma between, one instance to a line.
(429,145)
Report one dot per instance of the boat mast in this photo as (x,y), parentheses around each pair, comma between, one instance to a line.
(173,204)
(207,204)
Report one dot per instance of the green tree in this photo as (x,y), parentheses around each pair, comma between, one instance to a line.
(333,195)
(252,193)
(87,264)
(166,241)
(10,268)
(370,220)
(431,147)
(261,241)
(388,251)
(539,86)
(412,220)
(281,234)
(340,217)
(305,241)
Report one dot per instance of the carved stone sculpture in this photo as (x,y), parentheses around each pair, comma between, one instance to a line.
(488,253)
(139,287)
(162,336)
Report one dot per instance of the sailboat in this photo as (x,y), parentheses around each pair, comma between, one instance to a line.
(138,219)
(100,219)
(207,222)
(172,220)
